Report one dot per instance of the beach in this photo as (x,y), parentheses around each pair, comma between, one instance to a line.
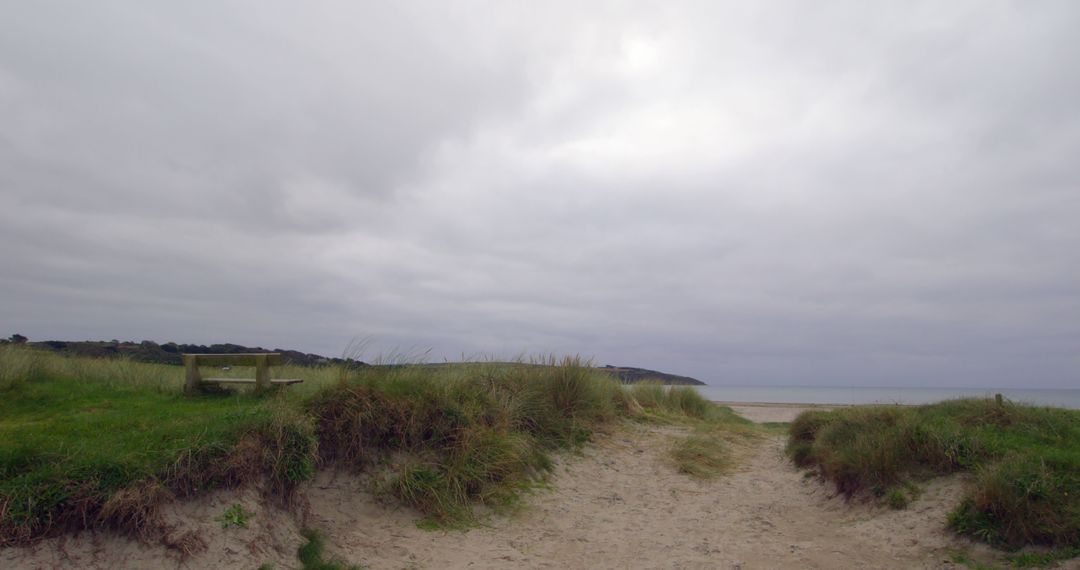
(762,413)
(618,503)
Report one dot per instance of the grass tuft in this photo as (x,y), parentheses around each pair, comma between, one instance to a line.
(896,499)
(1025,460)
(103,443)
(477,434)
(234,516)
(311,554)
(665,403)
(19,365)
(1042,559)
(701,456)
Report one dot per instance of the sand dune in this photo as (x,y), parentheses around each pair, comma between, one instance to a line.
(765,413)
(617,505)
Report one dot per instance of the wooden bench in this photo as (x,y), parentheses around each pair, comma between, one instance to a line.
(261,361)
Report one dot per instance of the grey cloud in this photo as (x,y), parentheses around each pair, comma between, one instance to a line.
(775,193)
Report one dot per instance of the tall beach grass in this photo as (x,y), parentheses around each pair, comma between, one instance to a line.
(1024,462)
(103,444)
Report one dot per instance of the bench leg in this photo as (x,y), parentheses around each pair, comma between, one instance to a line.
(262,374)
(192,377)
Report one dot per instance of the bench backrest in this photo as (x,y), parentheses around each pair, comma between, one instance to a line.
(241,359)
(261,361)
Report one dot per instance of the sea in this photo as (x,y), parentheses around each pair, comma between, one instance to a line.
(883,395)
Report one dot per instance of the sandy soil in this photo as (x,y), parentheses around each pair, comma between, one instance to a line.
(765,413)
(619,504)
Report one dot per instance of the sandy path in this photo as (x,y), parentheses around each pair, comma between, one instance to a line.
(623,506)
(618,505)
(765,413)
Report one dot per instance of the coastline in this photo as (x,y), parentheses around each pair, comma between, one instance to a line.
(769,412)
(617,504)
(904,396)
(788,404)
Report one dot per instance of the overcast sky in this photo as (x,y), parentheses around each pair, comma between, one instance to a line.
(791,193)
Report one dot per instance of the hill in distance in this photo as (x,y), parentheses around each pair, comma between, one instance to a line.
(629,375)
(170,353)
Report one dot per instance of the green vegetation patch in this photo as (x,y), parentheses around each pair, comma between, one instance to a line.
(102,443)
(469,434)
(677,404)
(1025,462)
(77,453)
(707,452)
(701,456)
(234,516)
(311,554)
(1045,559)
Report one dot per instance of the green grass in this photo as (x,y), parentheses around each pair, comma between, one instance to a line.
(775,428)
(476,434)
(678,403)
(234,516)
(701,456)
(75,451)
(706,453)
(1024,462)
(896,498)
(102,444)
(1046,559)
(312,557)
(965,559)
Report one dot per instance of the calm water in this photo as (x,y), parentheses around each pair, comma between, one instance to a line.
(841,395)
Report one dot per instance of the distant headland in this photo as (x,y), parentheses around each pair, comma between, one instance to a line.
(169,353)
(629,375)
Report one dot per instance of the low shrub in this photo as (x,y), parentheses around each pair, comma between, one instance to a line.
(703,457)
(312,556)
(680,402)
(18,365)
(1022,500)
(477,433)
(102,444)
(1026,462)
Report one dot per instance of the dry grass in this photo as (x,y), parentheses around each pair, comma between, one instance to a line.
(102,444)
(702,457)
(1025,461)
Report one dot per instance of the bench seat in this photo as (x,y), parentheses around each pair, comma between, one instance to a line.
(251,380)
(262,361)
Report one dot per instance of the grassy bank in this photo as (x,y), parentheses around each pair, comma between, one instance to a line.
(1024,462)
(102,444)
(706,452)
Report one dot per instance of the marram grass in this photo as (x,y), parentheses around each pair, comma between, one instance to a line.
(701,456)
(1024,462)
(103,443)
